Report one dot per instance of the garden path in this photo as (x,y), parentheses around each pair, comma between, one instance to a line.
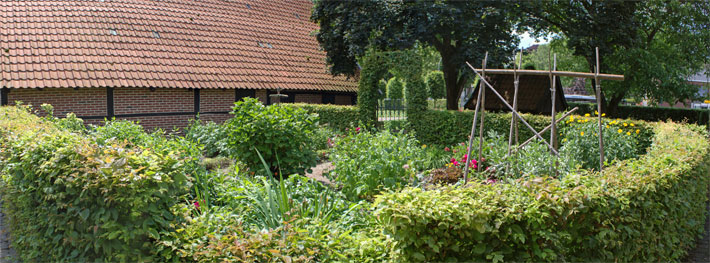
(701,253)
(318,171)
(7,254)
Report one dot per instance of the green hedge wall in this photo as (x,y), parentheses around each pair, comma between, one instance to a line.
(640,210)
(335,116)
(452,127)
(696,116)
(69,198)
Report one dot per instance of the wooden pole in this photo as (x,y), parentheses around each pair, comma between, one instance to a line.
(599,113)
(546,128)
(473,132)
(483,114)
(556,73)
(515,104)
(553,131)
(537,135)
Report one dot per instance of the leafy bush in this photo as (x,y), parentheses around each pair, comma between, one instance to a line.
(71,197)
(335,117)
(210,134)
(116,131)
(696,116)
(367,163)
(281,134)
(436,85)
(395,88)
(581,141)
(646,209)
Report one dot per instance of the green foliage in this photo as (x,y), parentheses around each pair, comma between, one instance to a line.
(372,72)
(646,209)
(72,197)
(416,97)
(368,163)
(695,116)
(335,117)
(541,59)
(281,134)
(581,141)
(436,85)
(121,130)
(209,134)
(459,31)
(395,88)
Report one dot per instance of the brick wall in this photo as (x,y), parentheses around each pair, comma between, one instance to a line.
(216,100)
(142,100)
(308,98)
(261,95)
(82,102)
(218,118)
(343,100)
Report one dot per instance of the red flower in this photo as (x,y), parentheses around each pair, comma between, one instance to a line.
(197,205)
(357,129)
(447,149)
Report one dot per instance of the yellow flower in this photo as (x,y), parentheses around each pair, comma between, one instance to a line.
(586,115)
(620,131)
(628,133)
(632,125)
(571,118)
(581,133)
(625,124)
(564,140)
(596,112)
(603,114)
(424,146)
(580,121)
(607,126)
(637,131)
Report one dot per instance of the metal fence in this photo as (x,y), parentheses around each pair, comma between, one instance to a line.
(391,110)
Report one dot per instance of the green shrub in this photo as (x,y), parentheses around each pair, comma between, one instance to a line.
(395,88)
(581,141)
(646,209)
(436,85)
(117,131)
(367,163)
(335,117)
(696,116)
(209,134)
(281,134)
(70,197)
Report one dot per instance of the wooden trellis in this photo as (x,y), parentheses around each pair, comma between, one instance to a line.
(553,74)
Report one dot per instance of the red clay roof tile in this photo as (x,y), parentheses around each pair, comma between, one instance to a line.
(165,44)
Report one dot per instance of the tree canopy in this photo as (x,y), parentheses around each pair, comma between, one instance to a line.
(459,30)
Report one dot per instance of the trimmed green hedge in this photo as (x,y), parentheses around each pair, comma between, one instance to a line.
(452,127)
(639,210)
(71,198)
(696,116)
(335,116)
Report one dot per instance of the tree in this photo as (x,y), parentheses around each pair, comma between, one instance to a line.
(435,85)
(655,43)
(460,31)
(395,88)
(566,59)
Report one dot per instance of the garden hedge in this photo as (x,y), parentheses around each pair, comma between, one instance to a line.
(69,198)
(639,210)
(335,116)
(696,116)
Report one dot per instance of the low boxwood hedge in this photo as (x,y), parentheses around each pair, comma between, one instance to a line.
(71,198)
(335,116)
(646,209)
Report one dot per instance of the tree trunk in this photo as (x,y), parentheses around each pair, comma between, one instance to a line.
(451,77)
(614,104)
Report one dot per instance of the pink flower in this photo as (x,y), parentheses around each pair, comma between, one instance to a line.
(453,160)
(447,149)
(357,129)
(456,163)
(197,205)
(406,166)
(491,181)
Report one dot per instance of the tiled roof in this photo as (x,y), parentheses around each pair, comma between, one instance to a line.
(255,44)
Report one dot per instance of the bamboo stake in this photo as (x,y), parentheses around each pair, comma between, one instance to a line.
(546,128)
(514,112)
(599,113)
(473,132)
(516,81)
(483,116)
(553,131)
(556,73)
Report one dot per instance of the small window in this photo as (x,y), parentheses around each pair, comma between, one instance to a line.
(156,34)
(113,32)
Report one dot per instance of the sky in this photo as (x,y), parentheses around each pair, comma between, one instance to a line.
(526,41)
